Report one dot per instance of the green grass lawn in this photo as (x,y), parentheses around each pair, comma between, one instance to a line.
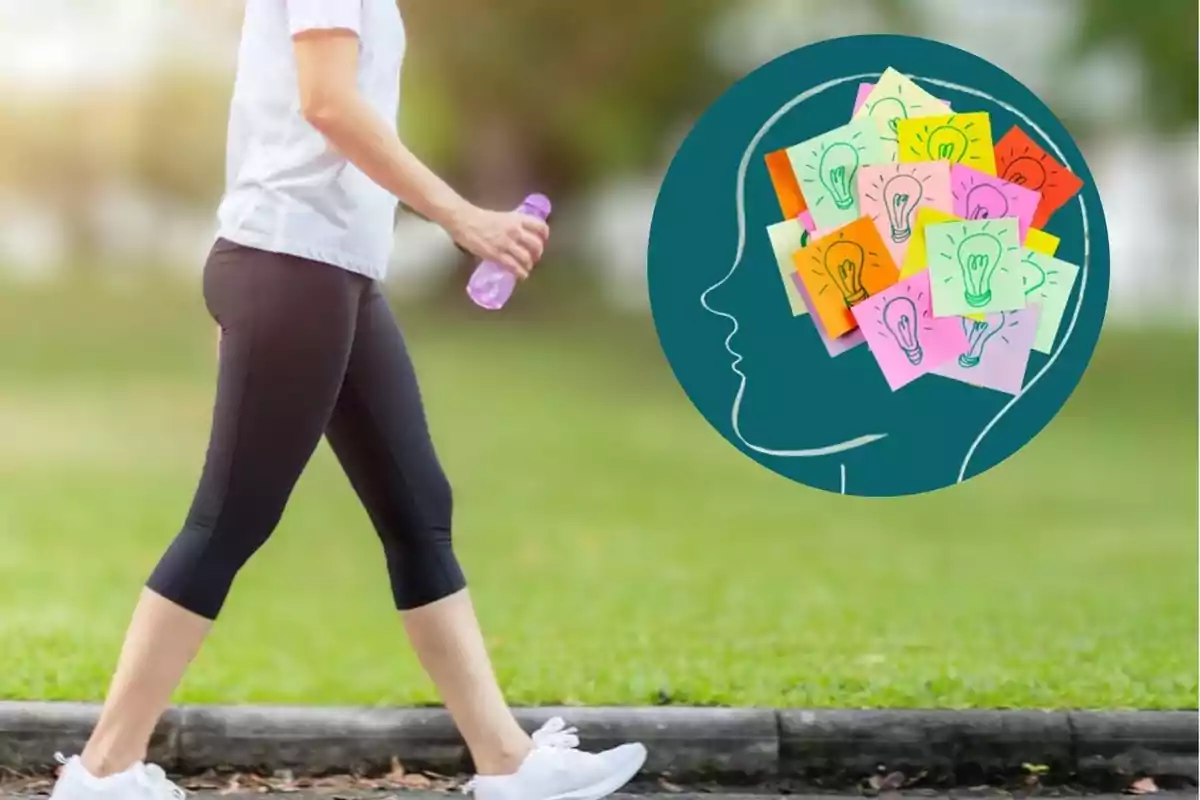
(620,552)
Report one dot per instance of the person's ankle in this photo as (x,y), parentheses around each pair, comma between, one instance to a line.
(104,765)
(505,761)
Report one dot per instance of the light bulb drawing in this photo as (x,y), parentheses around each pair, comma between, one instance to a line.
(901,320)
(886,113)
(901,194)
(1033,276)
(1026,171)
(986,201)
(957,138)
(979,333)
(844,262)
(979,256)
(947,143)
(838,166)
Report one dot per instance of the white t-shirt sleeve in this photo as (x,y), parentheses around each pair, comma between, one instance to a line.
(316,15)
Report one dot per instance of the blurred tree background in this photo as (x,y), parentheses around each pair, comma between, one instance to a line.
(1160,34)
(500,98)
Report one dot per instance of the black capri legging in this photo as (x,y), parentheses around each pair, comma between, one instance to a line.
(307,350)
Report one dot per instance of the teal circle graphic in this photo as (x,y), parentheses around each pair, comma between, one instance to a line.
(760,375)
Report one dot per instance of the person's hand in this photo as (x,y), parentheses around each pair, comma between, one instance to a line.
(513,240)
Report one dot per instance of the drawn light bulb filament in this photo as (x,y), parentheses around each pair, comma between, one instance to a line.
(839,164)
(901,320)
(978,257)
(844,263)
(901,195)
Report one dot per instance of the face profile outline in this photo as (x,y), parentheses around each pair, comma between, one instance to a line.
(745,229)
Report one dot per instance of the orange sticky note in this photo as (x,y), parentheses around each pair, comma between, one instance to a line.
(844,268)
(787,187)
(1021,160)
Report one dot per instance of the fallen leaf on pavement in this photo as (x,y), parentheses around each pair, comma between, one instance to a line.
(1143,786)
(891,782)
(397,772)
(415,781)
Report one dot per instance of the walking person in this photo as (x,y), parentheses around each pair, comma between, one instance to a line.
(309,348)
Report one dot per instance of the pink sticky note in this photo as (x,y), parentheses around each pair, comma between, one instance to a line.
(892,194)
(836,346)
(806,220)
(978,195)
(864,89)
(904,336)
(997,351)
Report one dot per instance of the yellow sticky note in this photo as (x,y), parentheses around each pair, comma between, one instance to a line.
(915,257)
(894,98)
(1041,242)
(786,238)
(958,138)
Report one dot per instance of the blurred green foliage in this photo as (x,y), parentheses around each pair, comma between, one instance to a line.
(1162,34)
(498,97)
(568,92)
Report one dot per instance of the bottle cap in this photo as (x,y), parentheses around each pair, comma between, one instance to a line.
(538,204)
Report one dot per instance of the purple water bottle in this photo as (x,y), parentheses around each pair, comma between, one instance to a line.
(491,284)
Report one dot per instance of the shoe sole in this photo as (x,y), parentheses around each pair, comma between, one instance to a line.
(612,783)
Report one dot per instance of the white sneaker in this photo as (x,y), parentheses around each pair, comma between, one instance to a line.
(139,782)
(555,770)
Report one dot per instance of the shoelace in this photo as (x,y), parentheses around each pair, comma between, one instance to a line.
(149,775)
(554,734)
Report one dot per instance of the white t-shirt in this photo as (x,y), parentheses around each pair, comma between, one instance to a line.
(287,190)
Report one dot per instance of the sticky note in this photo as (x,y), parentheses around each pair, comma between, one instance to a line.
(787,188)
(915,257)
(895,98)
(844,268)
(827,167)
(892,195)
(786,238)
(1021,160)
(864,91)
(973,267)
(997,351)
(978,195)
(835,347)
(1048,282)
(1041,242)
(957,138)
(904,336)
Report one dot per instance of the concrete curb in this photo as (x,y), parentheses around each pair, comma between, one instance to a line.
(735,746)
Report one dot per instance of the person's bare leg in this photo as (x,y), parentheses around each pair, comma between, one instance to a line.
(450,646)
(162,640)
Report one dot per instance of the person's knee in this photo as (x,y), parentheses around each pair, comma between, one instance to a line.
(198,569)
(420,550)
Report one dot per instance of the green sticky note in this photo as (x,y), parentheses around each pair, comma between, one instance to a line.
(827,167)
(974,267)
(786,238)
(1048,282)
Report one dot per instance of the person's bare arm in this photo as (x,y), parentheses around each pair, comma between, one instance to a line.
(327,67)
